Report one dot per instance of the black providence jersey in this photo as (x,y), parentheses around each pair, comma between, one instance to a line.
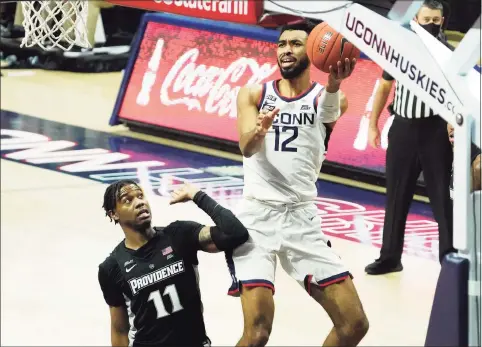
(158,284)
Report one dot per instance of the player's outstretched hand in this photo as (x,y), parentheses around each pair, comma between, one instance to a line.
(183,194)
(265,120)
(342,70)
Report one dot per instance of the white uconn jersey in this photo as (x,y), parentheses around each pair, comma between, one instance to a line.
(286,168)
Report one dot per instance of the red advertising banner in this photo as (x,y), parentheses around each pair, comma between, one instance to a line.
(187,79)
(236,11)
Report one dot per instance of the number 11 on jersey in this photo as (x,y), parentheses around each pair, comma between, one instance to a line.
(156,298)
(284,145)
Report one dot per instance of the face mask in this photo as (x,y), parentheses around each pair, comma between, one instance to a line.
(433,29)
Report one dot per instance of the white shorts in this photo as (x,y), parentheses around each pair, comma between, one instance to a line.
(291,233)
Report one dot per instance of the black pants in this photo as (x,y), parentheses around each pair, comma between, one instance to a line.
(416,145)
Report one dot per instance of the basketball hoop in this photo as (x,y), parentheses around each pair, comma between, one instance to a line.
(50,24)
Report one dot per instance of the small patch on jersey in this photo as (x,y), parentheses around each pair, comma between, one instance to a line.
(268,107)
(170,256)
(305,107)
(128,262)
(271,97)
(167,250)
(130,268)
(151,266)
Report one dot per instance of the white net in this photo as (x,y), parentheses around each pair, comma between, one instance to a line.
(55,24)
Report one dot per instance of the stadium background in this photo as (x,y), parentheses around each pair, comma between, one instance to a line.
(349,156)
(55,128)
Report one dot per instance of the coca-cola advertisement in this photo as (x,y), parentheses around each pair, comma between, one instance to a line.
(188,79)
(238,11)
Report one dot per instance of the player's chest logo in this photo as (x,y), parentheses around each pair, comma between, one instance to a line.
(296,115)
(129,265)
(153,274)
(130,268)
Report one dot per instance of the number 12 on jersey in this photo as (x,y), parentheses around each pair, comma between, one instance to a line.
(285,144)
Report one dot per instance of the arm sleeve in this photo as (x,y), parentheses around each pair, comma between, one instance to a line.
(229,232)
(329,106)
(329,130)
(110,289)
(184,236)
(386,76)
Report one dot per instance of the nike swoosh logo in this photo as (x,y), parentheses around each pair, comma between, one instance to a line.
(129,269)
(343,42)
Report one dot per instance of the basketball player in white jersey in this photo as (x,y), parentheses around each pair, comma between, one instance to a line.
(282,126)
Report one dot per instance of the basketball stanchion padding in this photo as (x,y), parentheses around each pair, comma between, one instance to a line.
(448,325)
(55,24)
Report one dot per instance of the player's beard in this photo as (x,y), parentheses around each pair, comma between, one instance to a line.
(296,70)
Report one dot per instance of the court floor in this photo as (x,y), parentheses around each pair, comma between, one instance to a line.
(54,232)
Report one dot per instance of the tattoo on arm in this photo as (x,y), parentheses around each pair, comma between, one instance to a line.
(205,240)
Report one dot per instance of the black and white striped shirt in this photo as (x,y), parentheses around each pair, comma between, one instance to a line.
(405,103)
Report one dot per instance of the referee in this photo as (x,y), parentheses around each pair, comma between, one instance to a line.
(417,141)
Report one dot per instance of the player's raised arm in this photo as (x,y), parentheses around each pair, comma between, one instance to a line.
(329,102)
(252,125)
(228,233)
(119,321)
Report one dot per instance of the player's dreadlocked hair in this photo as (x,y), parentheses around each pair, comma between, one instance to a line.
(111,195)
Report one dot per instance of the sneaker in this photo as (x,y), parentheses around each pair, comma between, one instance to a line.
(381,267)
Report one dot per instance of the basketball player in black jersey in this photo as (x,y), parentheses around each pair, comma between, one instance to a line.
(149,280)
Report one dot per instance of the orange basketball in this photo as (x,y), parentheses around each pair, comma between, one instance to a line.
(325,47)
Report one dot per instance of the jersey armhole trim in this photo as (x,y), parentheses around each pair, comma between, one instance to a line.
(261,97)
(316,100)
